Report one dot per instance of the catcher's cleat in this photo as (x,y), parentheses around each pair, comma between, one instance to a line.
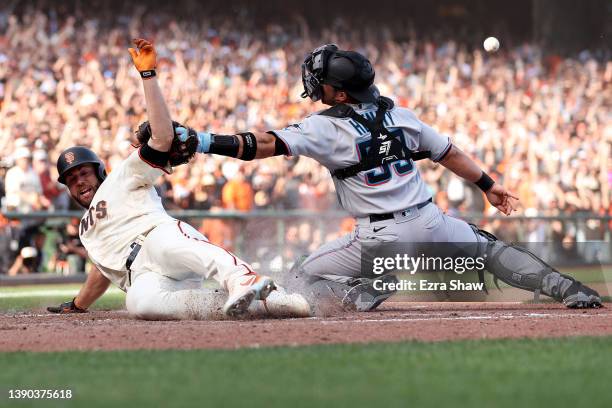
(363,297)
(579,296)
(252,287)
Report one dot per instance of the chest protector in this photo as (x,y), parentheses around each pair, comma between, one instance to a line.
(384,148)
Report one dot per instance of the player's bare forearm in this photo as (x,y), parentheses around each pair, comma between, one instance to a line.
(162,131)
(461,164)
(265,145)
(94,287)
(144,58)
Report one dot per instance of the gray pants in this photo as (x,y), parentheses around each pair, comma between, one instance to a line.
(336,268)
(340,260)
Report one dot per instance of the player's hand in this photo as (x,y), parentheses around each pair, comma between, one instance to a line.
(66,307)
(144,56)
(502,199)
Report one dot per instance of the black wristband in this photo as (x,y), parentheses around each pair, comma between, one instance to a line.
(249,146)
(485,182)
(75,307)
(224,145)
(150,73)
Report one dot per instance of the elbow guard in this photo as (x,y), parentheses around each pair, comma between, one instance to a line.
(153,157)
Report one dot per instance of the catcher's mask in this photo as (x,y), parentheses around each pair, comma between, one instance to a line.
(76,156)
(346,70)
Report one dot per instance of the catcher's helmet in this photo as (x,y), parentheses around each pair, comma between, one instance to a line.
(346,70)
(76,156)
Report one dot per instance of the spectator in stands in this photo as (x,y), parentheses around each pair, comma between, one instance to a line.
(70,255)
(51,189)
(30,258)
(237,194)
(26,262)
(23,189)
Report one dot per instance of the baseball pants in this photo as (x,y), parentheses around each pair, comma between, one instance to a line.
(167,275)
(340,260)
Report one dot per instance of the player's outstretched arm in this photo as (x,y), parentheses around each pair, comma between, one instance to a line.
(94,287)
(244,146)
(460,163)
(144,58)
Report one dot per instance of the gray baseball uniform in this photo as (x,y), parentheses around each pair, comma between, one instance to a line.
(395,187)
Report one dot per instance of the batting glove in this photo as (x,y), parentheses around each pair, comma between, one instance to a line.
(66,307)
(144,56)
(204,139)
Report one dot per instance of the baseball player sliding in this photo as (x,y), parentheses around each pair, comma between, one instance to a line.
(159,261)
(370,145)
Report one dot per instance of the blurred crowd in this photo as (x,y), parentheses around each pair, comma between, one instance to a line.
(541,125)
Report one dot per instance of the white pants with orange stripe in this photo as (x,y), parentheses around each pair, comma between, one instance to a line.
(168,271)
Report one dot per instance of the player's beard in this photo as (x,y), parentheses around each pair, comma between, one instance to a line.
(85,203)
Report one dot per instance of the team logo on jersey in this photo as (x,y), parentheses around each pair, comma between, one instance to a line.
(69,157)
(385,147)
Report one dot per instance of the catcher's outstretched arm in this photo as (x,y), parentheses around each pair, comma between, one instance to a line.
(145,61)
(244,146)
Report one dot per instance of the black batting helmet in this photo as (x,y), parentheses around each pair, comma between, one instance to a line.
(76,156)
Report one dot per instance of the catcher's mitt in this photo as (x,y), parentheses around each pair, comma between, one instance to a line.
(180,152)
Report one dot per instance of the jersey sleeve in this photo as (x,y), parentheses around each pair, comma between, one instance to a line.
(311,137)
(432,141)
(136,172)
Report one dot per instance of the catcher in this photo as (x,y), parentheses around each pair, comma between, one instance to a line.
(159,261)
(369,146)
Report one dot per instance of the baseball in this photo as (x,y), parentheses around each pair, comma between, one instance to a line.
(491,44)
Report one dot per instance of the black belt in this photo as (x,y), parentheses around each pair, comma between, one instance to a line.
(130,259)
(388,216)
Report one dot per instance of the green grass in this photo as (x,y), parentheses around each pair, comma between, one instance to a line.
(501,373)
(112,300)
(59,286)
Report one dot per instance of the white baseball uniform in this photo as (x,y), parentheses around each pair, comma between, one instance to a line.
(166,275)
(395,187)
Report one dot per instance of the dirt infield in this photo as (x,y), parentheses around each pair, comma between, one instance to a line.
(40,331)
